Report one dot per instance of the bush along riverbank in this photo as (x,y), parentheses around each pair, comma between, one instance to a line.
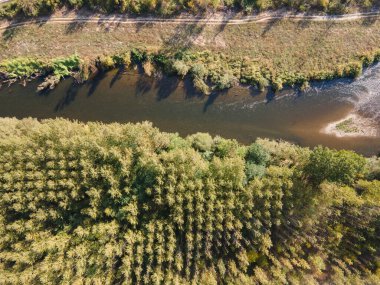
(209,71)
(28,68)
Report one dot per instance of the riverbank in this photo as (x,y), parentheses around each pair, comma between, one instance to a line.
(275,52)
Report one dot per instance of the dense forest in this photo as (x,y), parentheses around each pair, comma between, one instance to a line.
(127,204)
(169,7)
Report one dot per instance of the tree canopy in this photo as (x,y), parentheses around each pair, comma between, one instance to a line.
(169,7)
(127,204)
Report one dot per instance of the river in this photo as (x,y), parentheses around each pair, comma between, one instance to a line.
(241,113)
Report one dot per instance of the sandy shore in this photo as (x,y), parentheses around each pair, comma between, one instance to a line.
(352,125)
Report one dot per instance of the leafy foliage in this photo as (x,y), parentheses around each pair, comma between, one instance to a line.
(209,71)
(65,66)
(169,7)
(257,154)
(335,166)
(27,67)
(21,67)
(111,204)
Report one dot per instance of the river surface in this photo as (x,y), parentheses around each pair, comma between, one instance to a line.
(240,113)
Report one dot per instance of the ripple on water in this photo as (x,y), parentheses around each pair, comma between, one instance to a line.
(366,94)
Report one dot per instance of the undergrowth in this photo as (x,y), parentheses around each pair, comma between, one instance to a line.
(209,71)
(53,71)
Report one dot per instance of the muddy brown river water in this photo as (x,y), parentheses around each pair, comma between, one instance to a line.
(174,106)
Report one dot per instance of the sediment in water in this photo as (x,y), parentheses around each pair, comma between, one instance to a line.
(352,125)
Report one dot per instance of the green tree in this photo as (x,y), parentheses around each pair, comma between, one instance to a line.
(335,166)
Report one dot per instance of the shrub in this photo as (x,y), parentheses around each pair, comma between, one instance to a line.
(138,56)
(76,3)
(323,4)
(36,7)
(277,84)
(374,168)
(305,85)
(264,4)
(65,66)
(167,7)
(106,63)
(123,59)
(337,7)
(84,72)
(257,154)
(201,141)
(262,83)
(335,166)
(368,59)
(9,10)
(370,190)
(353,70)
(148,68)
(227,80)
(201,86)
(285,154)
(162,60)
(248,4)
(180,68)
(224,148)
(199,70)
(22,67)
(253,170)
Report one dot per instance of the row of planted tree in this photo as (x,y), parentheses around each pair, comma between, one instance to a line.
(170,7)
(127,204)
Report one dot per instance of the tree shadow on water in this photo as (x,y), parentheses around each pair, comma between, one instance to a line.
(117,76)
(94,83)
(270,96)
(44,92)
(68,98)
(166,86)
(212,98)
(190,90)
(143,85)
(254,91)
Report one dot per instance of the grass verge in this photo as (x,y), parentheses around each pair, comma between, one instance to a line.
(276,53)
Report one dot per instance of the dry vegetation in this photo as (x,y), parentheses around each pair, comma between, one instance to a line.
(294,46)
